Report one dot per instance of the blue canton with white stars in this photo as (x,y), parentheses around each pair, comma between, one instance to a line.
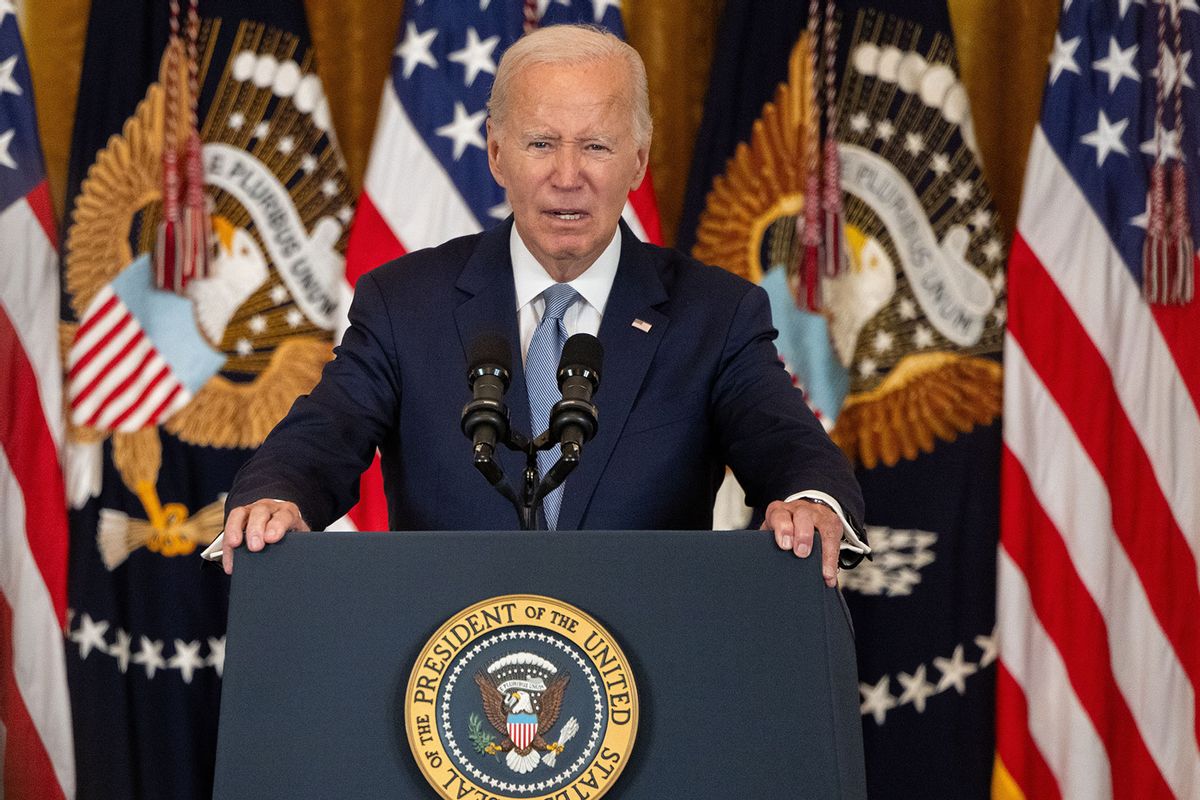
(1099,109)
(20,153)
(442,70)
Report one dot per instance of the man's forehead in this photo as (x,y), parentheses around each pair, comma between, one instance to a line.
(574,119)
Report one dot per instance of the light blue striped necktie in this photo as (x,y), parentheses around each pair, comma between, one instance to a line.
(541,367)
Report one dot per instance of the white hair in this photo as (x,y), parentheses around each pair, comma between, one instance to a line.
(573,45)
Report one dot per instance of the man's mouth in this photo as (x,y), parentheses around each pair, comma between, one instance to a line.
(566,214)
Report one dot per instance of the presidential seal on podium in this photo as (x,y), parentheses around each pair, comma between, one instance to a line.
(521,696)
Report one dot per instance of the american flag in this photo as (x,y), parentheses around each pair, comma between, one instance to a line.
(1098,599)
(36,750)
(427,178)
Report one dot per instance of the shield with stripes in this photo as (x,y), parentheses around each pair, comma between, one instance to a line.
(522,728)
(138,355)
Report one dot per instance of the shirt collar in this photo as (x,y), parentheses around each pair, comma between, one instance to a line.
(594,285)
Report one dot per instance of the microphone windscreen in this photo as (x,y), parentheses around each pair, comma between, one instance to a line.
(490,349)
(582,350)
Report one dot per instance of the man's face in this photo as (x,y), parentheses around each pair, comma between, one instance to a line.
(567,155)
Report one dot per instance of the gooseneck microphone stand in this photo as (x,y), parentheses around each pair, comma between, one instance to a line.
(573,421)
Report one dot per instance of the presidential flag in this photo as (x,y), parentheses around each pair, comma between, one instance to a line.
(203,272)
(1098,598)
(427,179)
(36,755)
(902,358)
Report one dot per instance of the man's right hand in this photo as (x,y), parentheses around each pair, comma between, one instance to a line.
(261,523)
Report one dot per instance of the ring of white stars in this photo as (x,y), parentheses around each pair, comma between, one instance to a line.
(597,704)
(916,689)
(900,557)
(91,636)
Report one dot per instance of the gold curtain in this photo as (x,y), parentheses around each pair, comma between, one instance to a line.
(1002,47)
(1003,50)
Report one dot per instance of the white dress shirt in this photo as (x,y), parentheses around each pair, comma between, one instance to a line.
(593,286)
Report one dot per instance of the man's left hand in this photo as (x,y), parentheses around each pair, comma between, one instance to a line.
(794,523)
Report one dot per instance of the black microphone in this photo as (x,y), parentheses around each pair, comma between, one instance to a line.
(485,418)
(573,420)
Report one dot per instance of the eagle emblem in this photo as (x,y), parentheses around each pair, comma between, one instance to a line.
(522,696)
(219,363)
(916,323)
(535,662)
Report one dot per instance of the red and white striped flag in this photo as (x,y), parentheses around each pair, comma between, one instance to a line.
(427,179)
(36,751)
(1098,600)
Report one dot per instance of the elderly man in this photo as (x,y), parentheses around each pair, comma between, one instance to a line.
(692,381)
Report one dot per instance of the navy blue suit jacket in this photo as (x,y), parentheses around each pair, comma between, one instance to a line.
(702,388)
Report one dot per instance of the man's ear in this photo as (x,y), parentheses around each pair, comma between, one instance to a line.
(493,150)
(643,160)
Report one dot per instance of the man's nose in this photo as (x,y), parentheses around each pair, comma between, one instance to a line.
(568,167)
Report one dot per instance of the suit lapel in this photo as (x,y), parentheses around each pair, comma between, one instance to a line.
(628,351)
(490,306)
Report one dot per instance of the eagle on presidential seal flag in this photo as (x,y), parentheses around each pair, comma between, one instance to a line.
(522,697)
(838,166)
(203,269)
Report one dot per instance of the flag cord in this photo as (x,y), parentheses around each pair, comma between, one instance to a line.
(1168,255)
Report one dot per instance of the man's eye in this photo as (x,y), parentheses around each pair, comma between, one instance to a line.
(539,145)
(599,148)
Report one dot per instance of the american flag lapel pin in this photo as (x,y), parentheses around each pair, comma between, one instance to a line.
(642,325)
